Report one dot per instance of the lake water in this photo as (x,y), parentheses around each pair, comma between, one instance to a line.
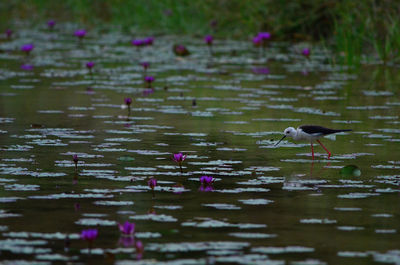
(268,204)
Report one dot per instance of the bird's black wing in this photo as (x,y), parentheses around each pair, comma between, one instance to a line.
(319,130)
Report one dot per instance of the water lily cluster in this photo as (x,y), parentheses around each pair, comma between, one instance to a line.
(143,42)
(127,238)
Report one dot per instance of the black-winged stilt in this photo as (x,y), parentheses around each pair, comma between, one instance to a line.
(310,133)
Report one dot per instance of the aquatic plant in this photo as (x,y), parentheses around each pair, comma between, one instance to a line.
(80,33)
(139,249)
(206,180)
(89,235)
(51,23)
(180,50)
(149,41)
(152,183)
(27,48)
(90,65)
(306,52)
(143,42)
(179,158)
(208,39)
(128,102)
(27,67)
(261,70)
(145,66)
(138,43)
(127,228)
(206,183)
(264,36)
(149,80)
(75,159)
(257,41)
(9,33)
(127,241)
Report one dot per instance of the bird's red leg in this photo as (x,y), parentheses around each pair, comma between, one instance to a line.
(312,151)
(329,153)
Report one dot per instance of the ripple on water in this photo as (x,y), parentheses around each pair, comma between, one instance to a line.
(223,206)
(283,250)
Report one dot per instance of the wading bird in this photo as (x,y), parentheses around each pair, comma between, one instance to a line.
(309,133)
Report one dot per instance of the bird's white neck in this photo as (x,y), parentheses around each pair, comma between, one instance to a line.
(297,135)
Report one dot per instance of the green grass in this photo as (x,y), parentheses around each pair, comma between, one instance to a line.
(353,28)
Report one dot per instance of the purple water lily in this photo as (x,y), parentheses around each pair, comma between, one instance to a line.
(208,39)
(80,33)
(264,35)
(138,43)
(128,102)
(75,159)
(27,48)
(306,52)
(179,158)
(206,180)
(257,41)
(261,70)
(149,40)
(51,23)
(9,33)
(90,65)
(206,183)
(152,183)
(145,65)
(143,42)
(127,228)
(89,235)
(27,67)
(149,80)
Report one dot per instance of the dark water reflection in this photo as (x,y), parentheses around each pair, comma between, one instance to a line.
(267,205)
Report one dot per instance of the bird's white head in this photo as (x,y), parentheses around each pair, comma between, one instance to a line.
(290,131)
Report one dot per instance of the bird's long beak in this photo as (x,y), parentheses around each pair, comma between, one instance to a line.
(280,140)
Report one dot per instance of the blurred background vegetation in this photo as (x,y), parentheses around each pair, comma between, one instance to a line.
(352,28)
